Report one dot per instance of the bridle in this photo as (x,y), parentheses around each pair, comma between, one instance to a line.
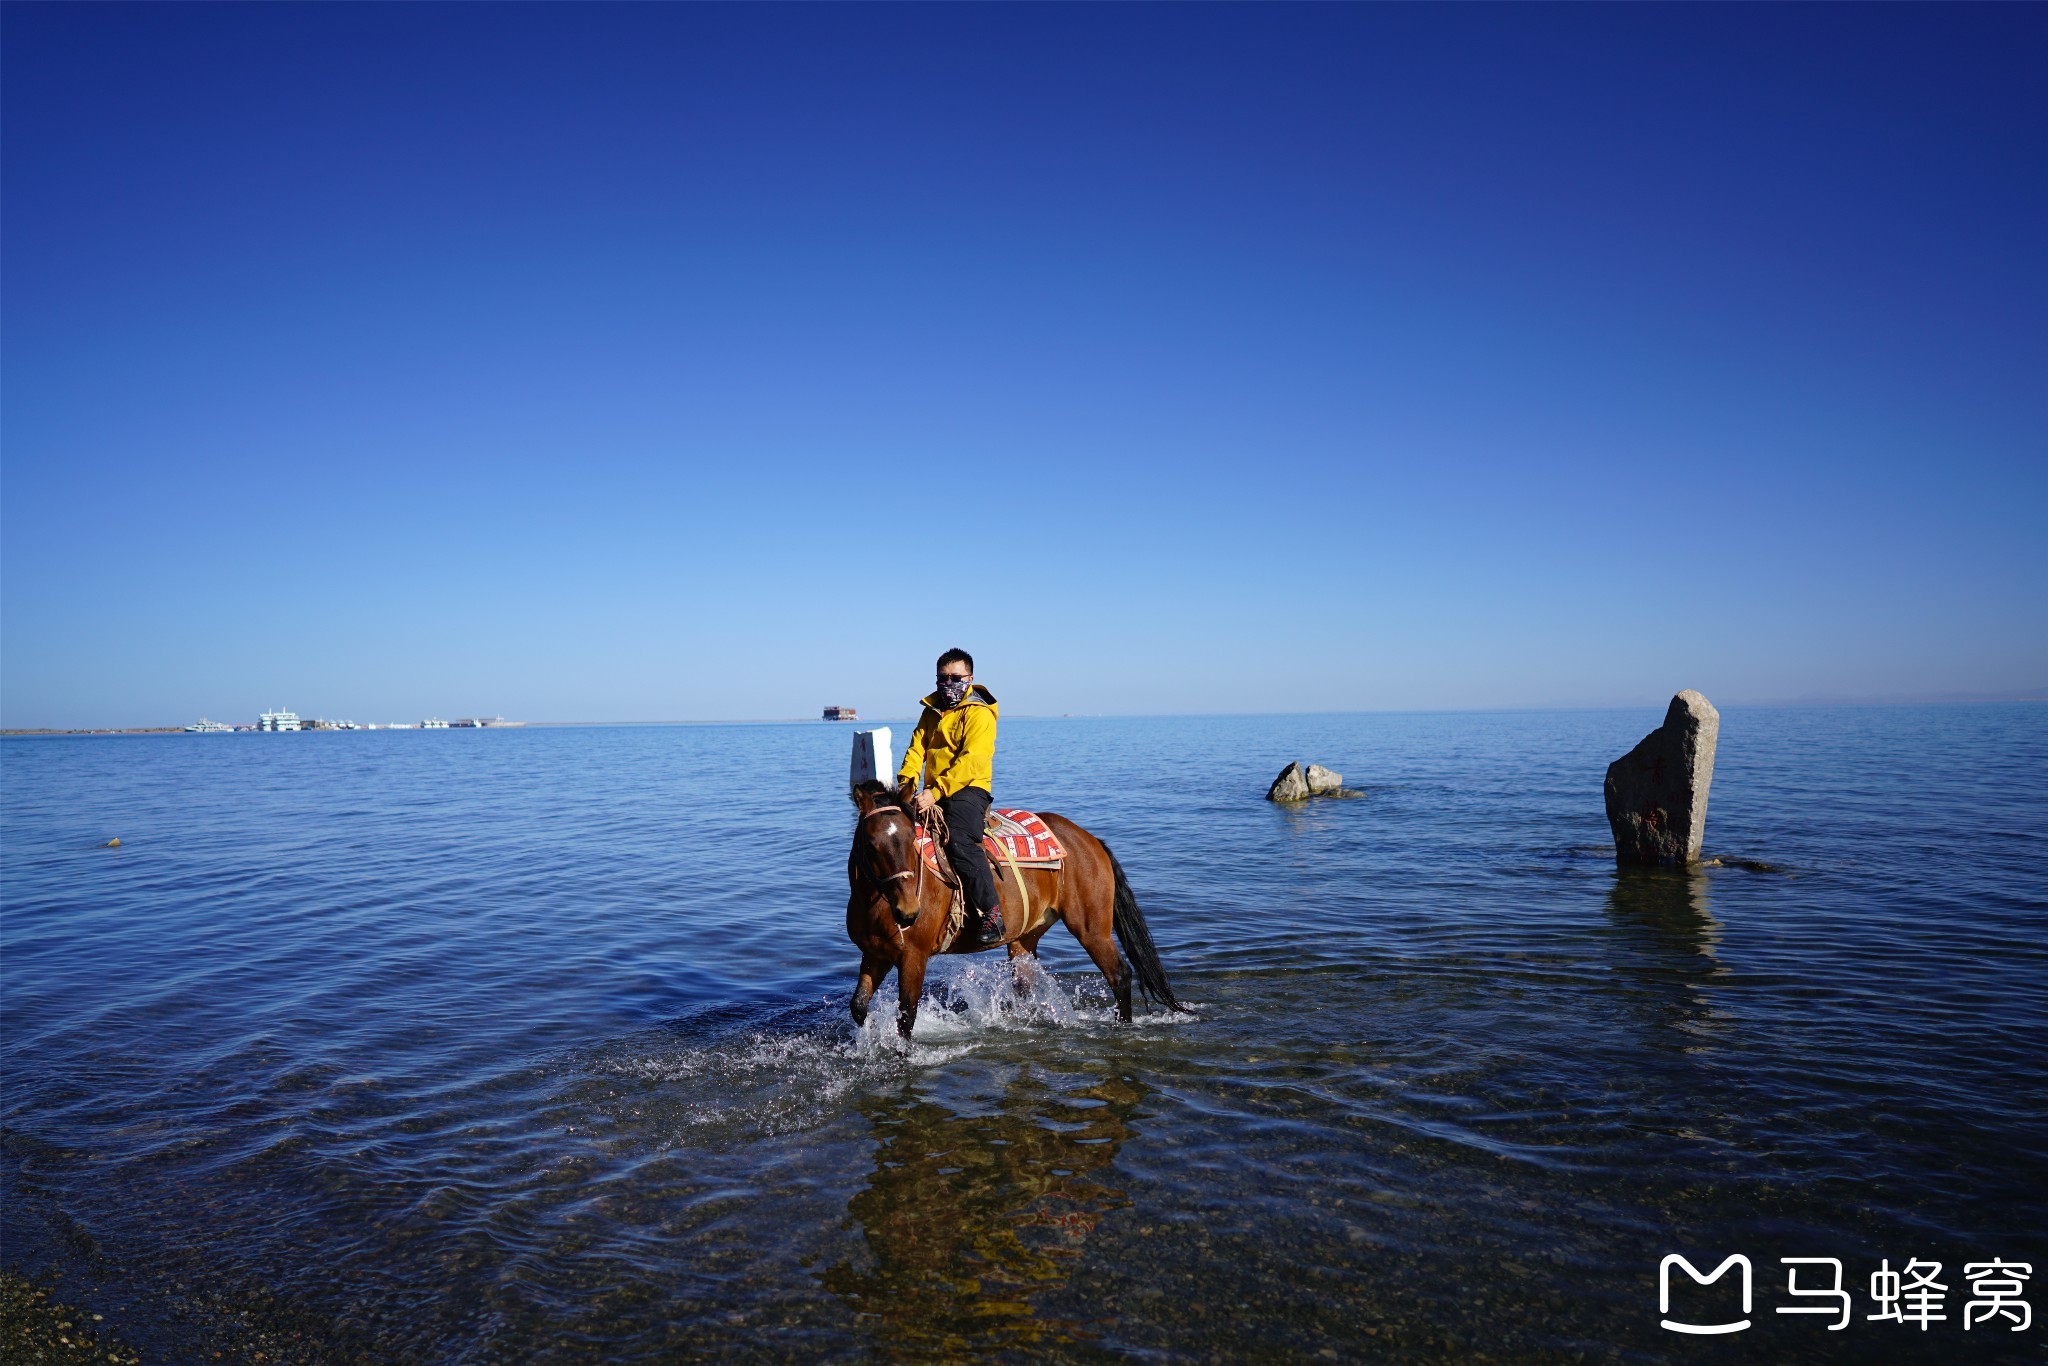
(882,882)
(907,872)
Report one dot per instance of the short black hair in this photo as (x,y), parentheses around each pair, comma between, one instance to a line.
(956,657)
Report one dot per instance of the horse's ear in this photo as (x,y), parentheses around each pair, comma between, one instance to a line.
(906,788)
(863,795)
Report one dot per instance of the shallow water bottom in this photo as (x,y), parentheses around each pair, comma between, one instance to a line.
(1410,1166)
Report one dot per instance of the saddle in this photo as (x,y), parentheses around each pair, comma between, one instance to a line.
(1012,838)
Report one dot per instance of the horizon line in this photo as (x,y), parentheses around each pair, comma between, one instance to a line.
(2035,695)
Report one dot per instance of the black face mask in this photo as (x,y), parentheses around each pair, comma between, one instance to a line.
(953,690)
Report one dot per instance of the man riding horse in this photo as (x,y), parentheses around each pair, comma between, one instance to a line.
(954,750)
(1069,877)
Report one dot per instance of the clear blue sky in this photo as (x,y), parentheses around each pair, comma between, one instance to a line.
(593,362)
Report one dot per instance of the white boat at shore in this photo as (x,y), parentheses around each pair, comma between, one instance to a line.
(433,723)
(206,727)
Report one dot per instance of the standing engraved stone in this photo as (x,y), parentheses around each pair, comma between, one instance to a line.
(1657,792)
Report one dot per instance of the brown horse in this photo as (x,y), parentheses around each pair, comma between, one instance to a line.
(897,910)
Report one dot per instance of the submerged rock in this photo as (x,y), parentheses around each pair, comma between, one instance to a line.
(1657,792)
(1747,865)
(1290,786)
(1321,780)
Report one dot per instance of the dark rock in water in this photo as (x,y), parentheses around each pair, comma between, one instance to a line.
(1293,785)
(1747,865)
(1657,792)
(1290,786)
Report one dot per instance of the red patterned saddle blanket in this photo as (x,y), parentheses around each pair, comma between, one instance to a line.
(1013,836)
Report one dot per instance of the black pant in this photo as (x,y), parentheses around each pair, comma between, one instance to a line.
(966,813)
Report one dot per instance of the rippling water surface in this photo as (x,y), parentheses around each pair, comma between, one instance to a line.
(533,1045)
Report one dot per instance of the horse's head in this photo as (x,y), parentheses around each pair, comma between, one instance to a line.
(885,847)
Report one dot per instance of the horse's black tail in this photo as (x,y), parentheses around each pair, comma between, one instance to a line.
(1129,923)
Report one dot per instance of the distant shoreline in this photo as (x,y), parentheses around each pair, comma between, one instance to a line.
(105,730)
(524,725)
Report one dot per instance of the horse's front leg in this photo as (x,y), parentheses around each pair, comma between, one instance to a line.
(909,988)
(1023,964)
(872,971)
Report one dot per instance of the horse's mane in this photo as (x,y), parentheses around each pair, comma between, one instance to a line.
(880,794)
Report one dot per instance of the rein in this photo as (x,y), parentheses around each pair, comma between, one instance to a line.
(917,858)
(937,831)
(884,811)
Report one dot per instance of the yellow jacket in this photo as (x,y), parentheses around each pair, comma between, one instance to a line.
(954,748)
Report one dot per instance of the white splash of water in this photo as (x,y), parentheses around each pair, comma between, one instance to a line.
(768,1081)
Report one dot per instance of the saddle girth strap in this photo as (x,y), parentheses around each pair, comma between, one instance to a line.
(1017,873)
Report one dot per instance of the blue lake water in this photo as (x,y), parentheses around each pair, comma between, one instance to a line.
(533,1045)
